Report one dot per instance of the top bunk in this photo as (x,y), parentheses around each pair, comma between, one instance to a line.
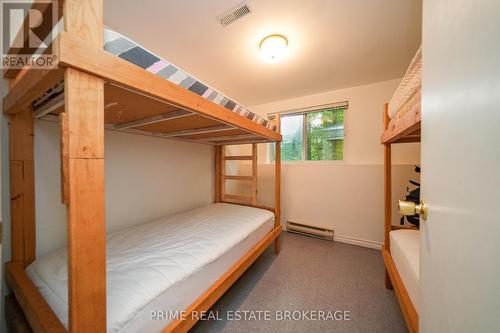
(402,113)
(143,94)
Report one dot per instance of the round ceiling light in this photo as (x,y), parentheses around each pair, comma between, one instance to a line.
(273,48)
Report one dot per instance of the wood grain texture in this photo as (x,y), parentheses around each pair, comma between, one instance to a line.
(17,211)
(238,158)
(240,178)
(222,173)
(21,136)
(238,141)
(84,18)
(190,122)
(63,123)
(84,106)
(387,196)
(30,86)
(22,187)
(238,198)
(399,128)
(86,246)
(277,183)
(19,75)
(254,173)
(385,116)
(84,95)
(205,301)
(409,311)
(124,107)
(76,53)
(215,135)
(38,313)
(218,175)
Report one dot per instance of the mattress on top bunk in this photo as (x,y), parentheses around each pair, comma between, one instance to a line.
(407,94)
(134,53)
(163,265)
(405,252)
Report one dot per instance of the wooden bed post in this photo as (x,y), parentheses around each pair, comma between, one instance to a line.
(218,174)
(254,174)
(387,193)
(83,144)
(277,184)
(22,187)
(222,181)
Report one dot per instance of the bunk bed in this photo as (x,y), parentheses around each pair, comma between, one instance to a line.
(401,118)
(106,81)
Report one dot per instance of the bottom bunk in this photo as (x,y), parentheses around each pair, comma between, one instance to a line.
(169,267)
(402,264)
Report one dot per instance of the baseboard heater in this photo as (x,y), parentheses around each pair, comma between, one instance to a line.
(309,230)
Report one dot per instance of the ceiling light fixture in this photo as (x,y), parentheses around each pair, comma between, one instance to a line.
(273,48)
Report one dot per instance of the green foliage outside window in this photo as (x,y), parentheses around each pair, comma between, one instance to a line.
(325,135)
(323,132)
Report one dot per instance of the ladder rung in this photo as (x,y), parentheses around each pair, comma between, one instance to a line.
(243,178)
(238,158)
(237,198)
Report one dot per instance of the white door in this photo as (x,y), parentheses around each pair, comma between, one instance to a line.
(460,249)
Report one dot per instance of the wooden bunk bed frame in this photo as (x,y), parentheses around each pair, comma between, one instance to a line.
(397,130)
(151,105)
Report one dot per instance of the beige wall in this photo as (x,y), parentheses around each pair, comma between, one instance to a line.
(344,195)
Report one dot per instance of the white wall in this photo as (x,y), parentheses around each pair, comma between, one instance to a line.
(146,178)
(344,195)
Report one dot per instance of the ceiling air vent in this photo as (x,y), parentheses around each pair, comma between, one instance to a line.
(233,15)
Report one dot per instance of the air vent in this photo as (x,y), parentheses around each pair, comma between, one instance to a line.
(233,15)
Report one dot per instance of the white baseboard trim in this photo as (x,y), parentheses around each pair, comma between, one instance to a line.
(358,242)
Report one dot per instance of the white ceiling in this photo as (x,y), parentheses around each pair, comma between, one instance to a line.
(333,43)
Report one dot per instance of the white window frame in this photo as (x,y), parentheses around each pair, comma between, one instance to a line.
(304,112)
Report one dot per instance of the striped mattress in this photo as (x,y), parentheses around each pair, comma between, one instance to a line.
(132,52)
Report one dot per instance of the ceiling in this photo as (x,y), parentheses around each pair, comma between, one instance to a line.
(333,44)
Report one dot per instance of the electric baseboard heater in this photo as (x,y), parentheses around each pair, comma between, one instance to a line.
(308,230)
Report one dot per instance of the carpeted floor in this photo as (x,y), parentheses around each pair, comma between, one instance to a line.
(309,274)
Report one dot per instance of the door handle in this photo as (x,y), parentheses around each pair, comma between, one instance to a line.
(411,208)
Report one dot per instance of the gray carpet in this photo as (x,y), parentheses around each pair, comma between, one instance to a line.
(310,274)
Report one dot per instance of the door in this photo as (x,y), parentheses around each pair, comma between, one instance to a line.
(460,249)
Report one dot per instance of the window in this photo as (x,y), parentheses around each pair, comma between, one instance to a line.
(293,138)
(314,135)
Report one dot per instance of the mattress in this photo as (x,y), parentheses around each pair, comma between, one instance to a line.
(407,94)
(405,252)
(134,53)
(164,265)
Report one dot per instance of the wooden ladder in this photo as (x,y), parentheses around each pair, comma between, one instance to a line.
(222,177)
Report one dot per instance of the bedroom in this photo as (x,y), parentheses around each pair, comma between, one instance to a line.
(177,167)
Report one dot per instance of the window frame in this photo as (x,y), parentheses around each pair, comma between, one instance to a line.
(304,111)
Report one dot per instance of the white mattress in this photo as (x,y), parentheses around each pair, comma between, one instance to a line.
(409,86)
(162,265)
(405,252)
